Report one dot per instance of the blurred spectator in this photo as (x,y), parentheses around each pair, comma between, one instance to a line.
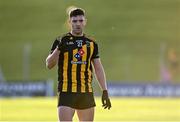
(170,66)
(165,75)
(173,62)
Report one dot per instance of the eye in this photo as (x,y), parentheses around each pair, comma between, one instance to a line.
(81,20)
(74,21)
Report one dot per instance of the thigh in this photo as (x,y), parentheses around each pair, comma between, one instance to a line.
(65,113)
(86,114)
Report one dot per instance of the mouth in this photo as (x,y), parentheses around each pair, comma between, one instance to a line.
(78,28)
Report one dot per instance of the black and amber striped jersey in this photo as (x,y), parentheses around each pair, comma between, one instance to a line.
(74,64)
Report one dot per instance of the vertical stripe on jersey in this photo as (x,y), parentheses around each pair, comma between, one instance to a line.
(86,71)
(89,64)
(83,68)
(60,71)
(69,89)
(65,72)
(74,71)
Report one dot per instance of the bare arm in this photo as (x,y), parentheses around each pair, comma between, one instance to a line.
(101,77)
(100,74)
(52,59)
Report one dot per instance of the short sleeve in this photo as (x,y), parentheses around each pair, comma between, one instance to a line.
(96,51)
(54,46)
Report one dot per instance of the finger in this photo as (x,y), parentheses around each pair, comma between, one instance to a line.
(105,106)
(109,106)
(102,101)
(109,102)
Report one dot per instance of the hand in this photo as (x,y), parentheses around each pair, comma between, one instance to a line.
(105,100)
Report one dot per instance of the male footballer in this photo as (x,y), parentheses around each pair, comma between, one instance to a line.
(77,55)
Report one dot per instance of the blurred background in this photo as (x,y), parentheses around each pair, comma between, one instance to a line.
(139,47)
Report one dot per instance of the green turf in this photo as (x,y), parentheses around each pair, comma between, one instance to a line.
(129,33)
(124,109)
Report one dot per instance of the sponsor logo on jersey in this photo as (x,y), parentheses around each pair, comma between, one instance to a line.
(78,62)
(79,54)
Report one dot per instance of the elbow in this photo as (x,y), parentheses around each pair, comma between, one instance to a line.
(48,65)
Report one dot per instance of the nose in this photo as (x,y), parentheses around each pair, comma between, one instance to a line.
(78,23)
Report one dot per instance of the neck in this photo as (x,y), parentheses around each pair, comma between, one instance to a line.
(76,34)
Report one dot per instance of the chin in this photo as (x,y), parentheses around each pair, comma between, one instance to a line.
(78,32)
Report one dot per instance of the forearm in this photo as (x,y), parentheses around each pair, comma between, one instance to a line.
(101,77)
(52,59)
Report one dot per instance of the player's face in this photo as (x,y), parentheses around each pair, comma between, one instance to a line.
(77,24)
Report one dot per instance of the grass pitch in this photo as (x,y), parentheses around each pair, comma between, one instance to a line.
(124,109)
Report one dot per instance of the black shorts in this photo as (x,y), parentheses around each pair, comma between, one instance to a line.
(76,100)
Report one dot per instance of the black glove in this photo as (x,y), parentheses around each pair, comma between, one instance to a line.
(105,100)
